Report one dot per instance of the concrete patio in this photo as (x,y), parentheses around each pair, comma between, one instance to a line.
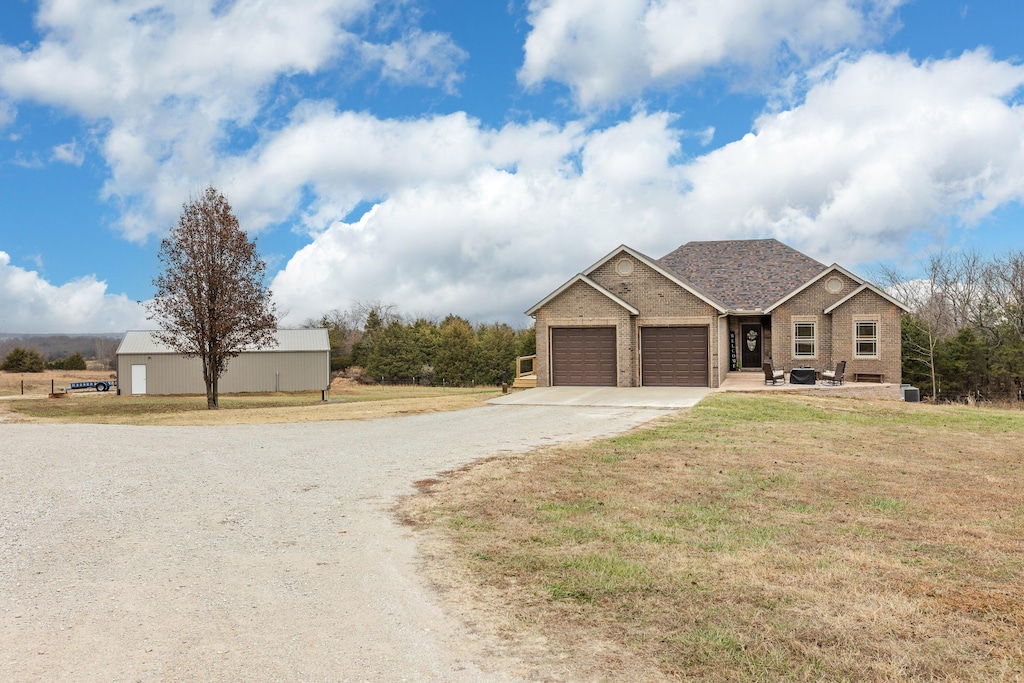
(754,381)
(677,398)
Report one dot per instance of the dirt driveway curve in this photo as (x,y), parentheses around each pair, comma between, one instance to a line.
(248,553)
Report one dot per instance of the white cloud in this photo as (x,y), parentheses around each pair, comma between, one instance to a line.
(30,161)
(484,221)
(508,221)
(419,57)
(879,148)
(349,157)
(167,79)
(29,304)
(69,153)
(608,50)
(8,113)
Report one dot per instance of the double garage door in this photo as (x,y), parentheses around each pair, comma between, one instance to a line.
(670,356)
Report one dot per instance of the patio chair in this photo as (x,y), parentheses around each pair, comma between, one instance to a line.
(834,377)
(771,375)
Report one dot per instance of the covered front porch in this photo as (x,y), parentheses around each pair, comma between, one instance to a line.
(749,341)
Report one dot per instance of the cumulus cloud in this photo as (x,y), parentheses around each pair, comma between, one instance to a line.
(348,157)
(30,304)
(168,78)
(510,221)
(880,148)
(608,50)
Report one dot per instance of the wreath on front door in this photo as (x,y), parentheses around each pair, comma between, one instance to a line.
(752,339)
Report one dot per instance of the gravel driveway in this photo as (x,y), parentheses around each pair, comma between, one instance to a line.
(248,553)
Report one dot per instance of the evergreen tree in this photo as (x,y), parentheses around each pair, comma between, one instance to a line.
(395,356)
(456,361)
(363,349)
(74,362)
(526,342)
(24,360)
(427,336)
(497,353)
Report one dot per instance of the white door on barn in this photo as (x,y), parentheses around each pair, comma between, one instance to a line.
(138,379)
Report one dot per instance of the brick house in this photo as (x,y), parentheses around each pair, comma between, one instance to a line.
(710,307)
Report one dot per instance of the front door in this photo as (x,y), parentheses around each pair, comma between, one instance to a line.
(750,340)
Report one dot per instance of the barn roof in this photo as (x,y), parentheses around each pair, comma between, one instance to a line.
(143,341)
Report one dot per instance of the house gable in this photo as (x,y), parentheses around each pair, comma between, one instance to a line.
(583,303)
(642,270)
(867,305)
(653,294)
(578,292)
(808,304)
(868,287)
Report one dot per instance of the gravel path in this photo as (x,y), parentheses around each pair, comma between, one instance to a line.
(241,553)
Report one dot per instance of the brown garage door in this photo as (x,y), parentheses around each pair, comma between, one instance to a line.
(674,356)
(583,356)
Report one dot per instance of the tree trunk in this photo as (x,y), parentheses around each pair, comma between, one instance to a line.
(211,395)
(210,378)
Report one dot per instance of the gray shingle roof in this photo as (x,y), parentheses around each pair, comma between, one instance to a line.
(142,341)
(743,275)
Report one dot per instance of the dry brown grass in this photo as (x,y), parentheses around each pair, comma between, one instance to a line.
(38,383)
(768,537)
(346,402)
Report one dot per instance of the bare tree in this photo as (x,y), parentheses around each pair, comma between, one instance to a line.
(1005,287)
(931,309)
(211,301)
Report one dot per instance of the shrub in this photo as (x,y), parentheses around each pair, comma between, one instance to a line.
(24,360)
(72,362)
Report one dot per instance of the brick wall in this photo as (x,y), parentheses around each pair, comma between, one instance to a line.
(868,306)
(835,331)
(808,305)
(659,300)
(583,306)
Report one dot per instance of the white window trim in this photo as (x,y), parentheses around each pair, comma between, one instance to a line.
(804,320)
(878,326)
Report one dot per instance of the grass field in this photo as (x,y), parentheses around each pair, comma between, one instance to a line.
(39,383)
(755,538)
(346,401)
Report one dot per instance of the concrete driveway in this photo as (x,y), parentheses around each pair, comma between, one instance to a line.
(249,553)
(662,398)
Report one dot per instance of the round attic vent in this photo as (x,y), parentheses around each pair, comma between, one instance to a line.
(624,267)
(834,285)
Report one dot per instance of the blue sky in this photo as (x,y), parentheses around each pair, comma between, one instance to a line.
(469,157)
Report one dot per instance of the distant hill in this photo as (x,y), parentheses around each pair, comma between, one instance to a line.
(99,346)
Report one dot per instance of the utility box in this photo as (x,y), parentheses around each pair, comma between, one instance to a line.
(911,394)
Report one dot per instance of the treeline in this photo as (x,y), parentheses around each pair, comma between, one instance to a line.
(391,347)
(30,360)
(964,337)
(54,347)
